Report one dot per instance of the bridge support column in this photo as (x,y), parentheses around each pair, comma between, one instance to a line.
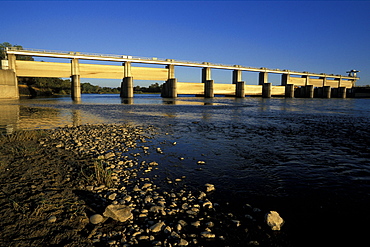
(237,76)
(76,87)
(206,74)
(289,91)
(309,90)
(208,89)
(127,87)
(171,88)
(75,80)
(262,78)
(342,91)
(240,89)
(326,92)
(285,79)
(307,82)
(266,90)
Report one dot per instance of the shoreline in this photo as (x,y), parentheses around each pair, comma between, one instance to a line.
(108,168)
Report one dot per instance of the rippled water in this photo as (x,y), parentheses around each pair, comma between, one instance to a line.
(309,159)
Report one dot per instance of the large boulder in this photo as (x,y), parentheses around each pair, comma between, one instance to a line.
(120,213)
(274,220)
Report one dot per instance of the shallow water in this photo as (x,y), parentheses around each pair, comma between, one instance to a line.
(308,159)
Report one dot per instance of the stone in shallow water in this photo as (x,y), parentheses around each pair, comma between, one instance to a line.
(209,187)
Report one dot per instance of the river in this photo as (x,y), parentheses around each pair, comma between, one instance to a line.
(308,159)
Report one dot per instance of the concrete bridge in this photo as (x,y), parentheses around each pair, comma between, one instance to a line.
(293,84)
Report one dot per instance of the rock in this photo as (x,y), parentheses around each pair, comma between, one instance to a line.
(207,234)
(196,223)
(109,155)
(96,219)
(145,186)
(183,242)
(52,219)
(157,227)
(201,162)
(274,220)
(120,213)
(209,187)
(112,196)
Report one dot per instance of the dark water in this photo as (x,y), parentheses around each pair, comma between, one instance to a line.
(308,159)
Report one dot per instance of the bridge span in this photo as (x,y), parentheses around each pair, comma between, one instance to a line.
(293,83)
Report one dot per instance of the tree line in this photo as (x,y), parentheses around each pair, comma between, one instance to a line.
(43,86)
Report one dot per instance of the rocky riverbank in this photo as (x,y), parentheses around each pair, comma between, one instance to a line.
(96,185)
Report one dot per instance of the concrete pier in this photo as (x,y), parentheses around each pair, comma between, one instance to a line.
(206,74)
(237,76)
(262,78)
(208,89)
(127,87)
(169,89)
(342,92)
(266,90)
(308,91)
(75,80)
(289,91)
(326,92)
(240,89)
(285,78)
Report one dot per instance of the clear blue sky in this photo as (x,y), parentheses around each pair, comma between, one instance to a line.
(317,36)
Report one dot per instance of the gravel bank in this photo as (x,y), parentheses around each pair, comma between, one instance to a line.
(126,205)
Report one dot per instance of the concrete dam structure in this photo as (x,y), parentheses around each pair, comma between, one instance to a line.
(293,84)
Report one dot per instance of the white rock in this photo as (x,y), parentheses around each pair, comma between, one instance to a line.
(274,220)
(96,219)
(120,213)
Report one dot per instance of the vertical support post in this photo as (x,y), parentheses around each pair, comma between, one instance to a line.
(307,82)
(285,79)
(262,78)
(237,76)
(127,87)
(266,90)
(340,81)
(309,91)
(11,61)
(323,81)
(76,80)
(171,71)
(127,84)
(289,91)
(342,91)
(206,74)
(13,75)
(208,89)
(240,89)
(326,92)
(171,88)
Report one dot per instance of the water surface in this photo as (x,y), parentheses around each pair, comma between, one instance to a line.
(309,159)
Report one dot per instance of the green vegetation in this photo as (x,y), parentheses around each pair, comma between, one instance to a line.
(153,88)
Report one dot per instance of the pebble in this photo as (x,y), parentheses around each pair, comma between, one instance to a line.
(52,219)
(157,227)
(135,197)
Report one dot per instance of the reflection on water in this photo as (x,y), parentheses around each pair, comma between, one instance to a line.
(151,108)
